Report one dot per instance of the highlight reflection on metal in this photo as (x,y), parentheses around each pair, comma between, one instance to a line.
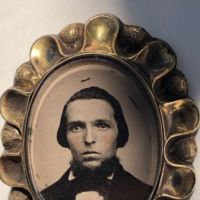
(156,61)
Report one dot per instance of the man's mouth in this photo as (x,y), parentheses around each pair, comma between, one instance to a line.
(90,153)
(90,156)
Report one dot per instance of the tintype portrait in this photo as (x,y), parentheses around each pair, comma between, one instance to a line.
(93,127)
(95,139)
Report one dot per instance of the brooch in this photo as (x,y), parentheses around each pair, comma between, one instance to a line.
(99,111)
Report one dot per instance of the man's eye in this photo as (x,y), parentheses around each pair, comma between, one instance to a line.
(75,128)
(102,125)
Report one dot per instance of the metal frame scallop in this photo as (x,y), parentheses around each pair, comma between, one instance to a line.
(105,34)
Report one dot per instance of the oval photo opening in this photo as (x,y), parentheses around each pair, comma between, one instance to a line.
(94,133)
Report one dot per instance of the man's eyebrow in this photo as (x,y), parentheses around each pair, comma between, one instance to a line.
(103,120)
(75,123)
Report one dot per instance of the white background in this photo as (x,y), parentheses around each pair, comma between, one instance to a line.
(175,21)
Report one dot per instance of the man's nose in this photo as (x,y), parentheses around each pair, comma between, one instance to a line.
(89,136)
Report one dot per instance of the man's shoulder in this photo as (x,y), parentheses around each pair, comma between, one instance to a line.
(126,186)
(57,189)
(124,176)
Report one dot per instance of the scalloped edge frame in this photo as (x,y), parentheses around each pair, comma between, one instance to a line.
(105,34)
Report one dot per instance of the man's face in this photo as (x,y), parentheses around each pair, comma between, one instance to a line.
(91,131)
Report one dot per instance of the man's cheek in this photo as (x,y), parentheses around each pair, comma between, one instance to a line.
(74,151)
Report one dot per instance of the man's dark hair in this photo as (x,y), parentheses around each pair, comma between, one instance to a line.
(95,93)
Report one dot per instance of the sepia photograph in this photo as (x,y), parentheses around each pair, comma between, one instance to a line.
(94,133)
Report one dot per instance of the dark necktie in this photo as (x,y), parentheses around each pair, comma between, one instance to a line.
(99,185)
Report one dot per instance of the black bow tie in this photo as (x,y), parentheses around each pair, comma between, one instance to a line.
(100,185)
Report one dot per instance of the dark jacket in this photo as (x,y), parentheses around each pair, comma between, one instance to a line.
(123,186)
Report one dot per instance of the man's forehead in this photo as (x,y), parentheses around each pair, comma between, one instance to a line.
(81,109)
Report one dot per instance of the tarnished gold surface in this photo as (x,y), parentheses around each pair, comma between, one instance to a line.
(172,87)
(71,38)
(11,138)
(101,33)
(182,116)
(18,195)
(184,150)
(131,39)
(152,58)
(26,77)
(178,182)
(44,54)
(13,106)
(156,59)
(12,172)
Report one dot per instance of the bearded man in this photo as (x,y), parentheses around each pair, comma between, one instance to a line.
(93,127)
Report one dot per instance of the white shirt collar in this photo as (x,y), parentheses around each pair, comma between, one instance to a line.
(71,176)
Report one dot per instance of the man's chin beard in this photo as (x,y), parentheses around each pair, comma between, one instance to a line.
(105,169)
